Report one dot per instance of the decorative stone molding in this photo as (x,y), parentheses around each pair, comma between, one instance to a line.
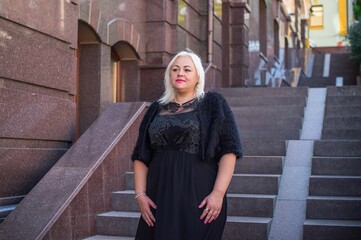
(118,29)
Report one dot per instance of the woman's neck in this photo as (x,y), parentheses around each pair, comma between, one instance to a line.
(182,98)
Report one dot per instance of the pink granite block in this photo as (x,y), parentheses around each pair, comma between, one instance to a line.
(152,85)
(53,17)
(63,227)
(155,11)
(35,116)
(35,58)
(81,215)
(21,169)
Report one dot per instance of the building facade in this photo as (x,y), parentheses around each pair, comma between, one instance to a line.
(63,62)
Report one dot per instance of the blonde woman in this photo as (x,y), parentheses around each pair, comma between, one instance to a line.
(185,157)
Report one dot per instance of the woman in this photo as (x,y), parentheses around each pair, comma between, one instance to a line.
(185,157)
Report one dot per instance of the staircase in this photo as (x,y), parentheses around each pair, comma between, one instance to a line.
(330,70)
(334,202)
(267,118)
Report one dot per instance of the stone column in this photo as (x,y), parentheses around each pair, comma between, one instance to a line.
(235,43)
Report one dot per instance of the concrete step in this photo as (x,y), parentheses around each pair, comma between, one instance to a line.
(344,91)
(281,111)
(253,205)
(125,224)
(257,101)
(271,122)
(344,100)
(342,111)
(336,166)
(246,228)
(327,185)
(337,148)
(260,165)
(335,208)
(342,122)
(331,229)
(240,183)
(264,92)
(341,134)
(264,147)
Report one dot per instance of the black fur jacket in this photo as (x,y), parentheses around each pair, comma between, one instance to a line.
(219,132)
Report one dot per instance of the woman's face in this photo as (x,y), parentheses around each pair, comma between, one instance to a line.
(183,75)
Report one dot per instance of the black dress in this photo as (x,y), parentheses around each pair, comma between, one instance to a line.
(178,181)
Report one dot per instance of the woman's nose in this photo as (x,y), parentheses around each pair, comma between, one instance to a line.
(180,73)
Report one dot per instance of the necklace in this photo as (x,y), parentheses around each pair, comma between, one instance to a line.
(173,107)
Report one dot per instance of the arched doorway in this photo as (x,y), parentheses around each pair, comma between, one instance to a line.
(88,79)
(124,73)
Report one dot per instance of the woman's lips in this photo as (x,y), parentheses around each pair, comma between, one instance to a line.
(179,80)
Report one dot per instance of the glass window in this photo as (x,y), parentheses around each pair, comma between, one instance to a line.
(218,8)
(316,17)
(115,77)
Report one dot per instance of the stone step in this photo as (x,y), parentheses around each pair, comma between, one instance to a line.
(281,111)
(317,82)
(5,211)
(264,92)
(246,228)
(104,237)
(261,147)
(117,223)
(270,134)
(344,100)
(336,208)
(327,185)
(240,183)
(331,229)
(344,91)
(342,122)
(342,111)
(125,224)
(255,184)
(271,122)
(260,165)
(336,166)
(256,101)
(337,148)
(252,205)
(341,134)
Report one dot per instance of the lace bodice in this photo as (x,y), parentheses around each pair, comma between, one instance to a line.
(180,131)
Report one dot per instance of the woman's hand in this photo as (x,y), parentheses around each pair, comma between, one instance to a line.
(145,203)
(213,206)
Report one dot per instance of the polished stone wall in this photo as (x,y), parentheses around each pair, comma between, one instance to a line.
(37,87)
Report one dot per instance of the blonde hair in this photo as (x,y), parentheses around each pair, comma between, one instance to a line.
(169,93)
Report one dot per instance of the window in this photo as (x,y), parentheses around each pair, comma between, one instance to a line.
(116,77)
(316,17)
(218,8)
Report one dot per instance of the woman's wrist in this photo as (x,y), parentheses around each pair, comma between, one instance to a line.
(138,194)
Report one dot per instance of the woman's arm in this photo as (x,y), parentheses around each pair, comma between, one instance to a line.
(140,184)
(214,200)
